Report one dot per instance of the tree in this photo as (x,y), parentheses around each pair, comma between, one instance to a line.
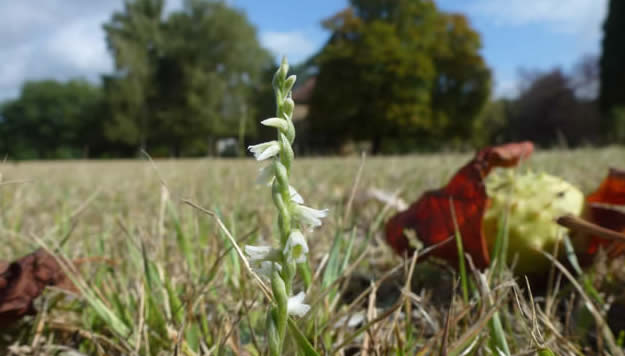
(134,37)
(584,78)
(462,83)
(549,111)
(612,86)
(52,119)
(490,125)
(212,63)
(181,82)
(398,69)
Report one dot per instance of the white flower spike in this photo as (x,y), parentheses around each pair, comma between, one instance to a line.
(265,150)
(309,216)
(296,247)
(296,306)
(290,208)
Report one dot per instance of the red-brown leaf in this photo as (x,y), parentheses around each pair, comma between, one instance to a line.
(24,280)
(508,155)
(431,218)
(603,210)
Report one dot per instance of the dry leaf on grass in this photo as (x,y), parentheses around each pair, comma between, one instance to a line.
(605,209)
(431,215)
(23,280)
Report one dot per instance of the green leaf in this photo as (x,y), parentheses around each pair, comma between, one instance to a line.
(302,342)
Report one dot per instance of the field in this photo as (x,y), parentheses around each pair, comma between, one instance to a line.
(159,276)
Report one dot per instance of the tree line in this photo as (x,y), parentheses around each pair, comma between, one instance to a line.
(180,82)
(397,75)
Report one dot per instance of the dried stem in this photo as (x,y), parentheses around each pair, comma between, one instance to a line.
(578,224)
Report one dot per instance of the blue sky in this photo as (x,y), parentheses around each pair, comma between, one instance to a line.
(63,39)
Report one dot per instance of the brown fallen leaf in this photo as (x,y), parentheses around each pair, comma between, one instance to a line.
(604,207)
(431,217)
(23,280)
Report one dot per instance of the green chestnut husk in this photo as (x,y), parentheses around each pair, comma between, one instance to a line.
(532,202)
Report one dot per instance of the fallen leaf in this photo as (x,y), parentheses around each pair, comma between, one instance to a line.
(605,206)
(23,280)
(431,217)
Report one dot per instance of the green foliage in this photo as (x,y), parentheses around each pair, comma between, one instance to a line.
(180,82)
(398,69)
(52,119)
(462,83)
(611,92)
(618,119)
(134,38)
(183,81)
(490,124)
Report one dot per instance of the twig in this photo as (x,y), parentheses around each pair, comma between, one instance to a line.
(578,224)
(354,187)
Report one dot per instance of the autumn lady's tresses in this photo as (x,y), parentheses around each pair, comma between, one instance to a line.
(279,264)
(532,201)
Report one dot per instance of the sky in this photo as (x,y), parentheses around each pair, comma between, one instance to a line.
(63,39)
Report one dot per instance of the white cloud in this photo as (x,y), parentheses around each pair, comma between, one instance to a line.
(294,44)
(13,66)
(52,39)
(569,15)
(19,18)
(13,69)
(82,45)
(580,20)
(518,12)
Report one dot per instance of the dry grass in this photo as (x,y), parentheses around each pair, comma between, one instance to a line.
(174,283)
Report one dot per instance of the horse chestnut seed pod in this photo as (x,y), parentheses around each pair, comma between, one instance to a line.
(532,202)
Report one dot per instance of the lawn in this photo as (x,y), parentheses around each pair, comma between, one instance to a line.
(158,275)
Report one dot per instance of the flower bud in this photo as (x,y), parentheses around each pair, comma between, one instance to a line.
(288,106)
(280,124)
(284,68)
(289,82)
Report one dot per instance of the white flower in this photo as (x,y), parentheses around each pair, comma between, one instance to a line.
(296,247)
(262,259)
(265,175)
(277,123)
(265,150)
(309,216)
(259,253)
(295,305)
(352,320)
(295,197)
(266,268)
